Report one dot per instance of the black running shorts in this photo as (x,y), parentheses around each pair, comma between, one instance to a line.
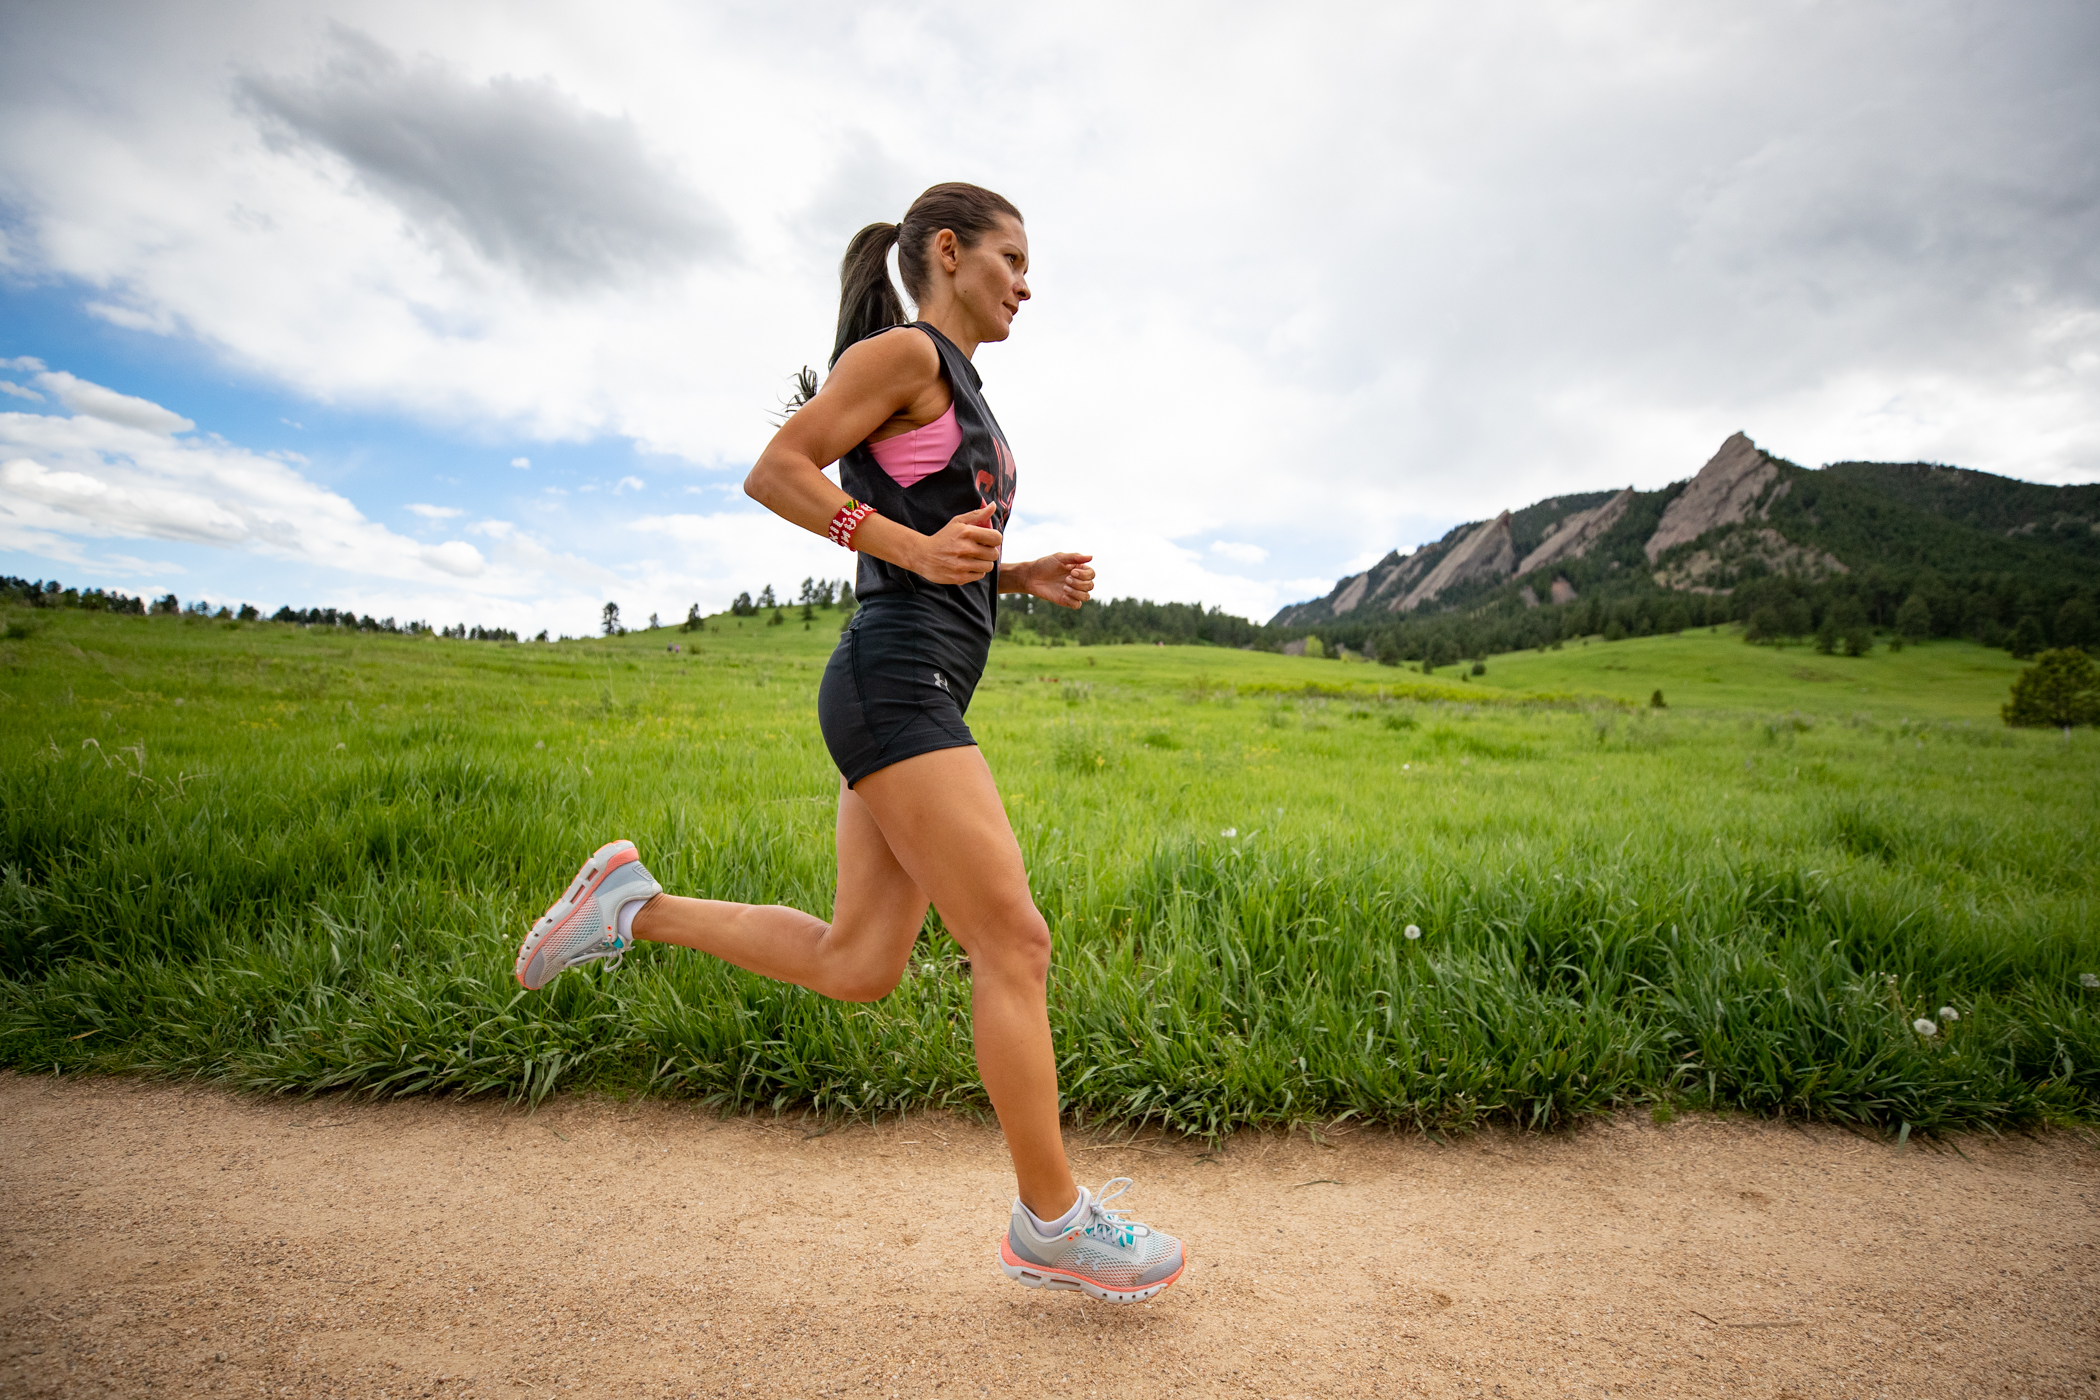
(883,699)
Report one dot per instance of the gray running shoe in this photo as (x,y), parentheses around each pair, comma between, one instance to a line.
(1102,1254)
(583,925)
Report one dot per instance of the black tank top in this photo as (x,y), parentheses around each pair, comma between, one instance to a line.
(954,620)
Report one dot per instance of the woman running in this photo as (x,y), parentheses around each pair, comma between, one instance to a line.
(929,484)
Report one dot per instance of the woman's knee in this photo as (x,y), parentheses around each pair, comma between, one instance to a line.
(865,978)
(1017,944)
(864,986)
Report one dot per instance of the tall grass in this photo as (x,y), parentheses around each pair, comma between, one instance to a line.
(311,875)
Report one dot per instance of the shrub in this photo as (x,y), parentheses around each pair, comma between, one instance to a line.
(2062,688)
(2026,638)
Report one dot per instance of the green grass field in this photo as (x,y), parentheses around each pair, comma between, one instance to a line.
(1705,670)
(301,861)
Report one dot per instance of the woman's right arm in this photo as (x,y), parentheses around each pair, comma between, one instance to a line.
(872,383)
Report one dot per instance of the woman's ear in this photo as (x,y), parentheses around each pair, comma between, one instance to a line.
(946,250)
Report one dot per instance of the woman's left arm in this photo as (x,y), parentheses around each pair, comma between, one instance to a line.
(1063,579)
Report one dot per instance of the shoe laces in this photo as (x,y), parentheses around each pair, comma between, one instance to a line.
(1115,1226)
(610,951)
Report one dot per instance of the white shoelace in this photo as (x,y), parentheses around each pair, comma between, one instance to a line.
(1120,1229)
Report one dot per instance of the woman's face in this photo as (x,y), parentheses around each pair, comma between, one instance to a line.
(991,279)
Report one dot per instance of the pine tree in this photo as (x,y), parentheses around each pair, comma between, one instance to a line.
(2062,688)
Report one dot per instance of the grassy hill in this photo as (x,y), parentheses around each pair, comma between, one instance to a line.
(300,860)
(1713,670)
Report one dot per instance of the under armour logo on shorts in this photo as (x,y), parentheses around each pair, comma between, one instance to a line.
(940,680)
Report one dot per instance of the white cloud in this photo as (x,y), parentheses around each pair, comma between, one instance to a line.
(521,463)
(100,477)
(629,483)
(456,557)
(17,391)
(436,512)
(26,363)
(155,320)
(107,404)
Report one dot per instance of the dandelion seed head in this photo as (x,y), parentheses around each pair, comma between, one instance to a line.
(1413,931)
(1948,1013)
(1925,1026)
(1229,832)
(2087,979)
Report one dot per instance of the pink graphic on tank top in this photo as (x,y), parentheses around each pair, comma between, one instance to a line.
(911,457)
(999,491)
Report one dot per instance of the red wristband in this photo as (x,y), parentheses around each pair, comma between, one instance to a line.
(848,520)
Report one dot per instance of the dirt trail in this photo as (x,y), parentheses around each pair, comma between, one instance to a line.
(165,1240)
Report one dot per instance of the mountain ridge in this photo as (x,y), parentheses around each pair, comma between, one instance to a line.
(1745,514)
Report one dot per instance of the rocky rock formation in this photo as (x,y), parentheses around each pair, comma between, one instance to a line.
(1381,581)
(1487,553)
(1728,490)
(1744,515)
(1572,537)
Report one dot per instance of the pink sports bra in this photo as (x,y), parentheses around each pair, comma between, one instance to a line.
(913,456)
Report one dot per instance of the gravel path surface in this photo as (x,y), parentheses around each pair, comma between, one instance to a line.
(168,1240)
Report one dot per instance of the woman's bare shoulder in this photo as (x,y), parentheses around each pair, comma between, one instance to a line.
(906,358)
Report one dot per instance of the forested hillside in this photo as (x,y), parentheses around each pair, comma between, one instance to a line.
(1909,551)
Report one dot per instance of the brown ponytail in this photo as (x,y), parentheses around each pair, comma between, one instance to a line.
(867,300)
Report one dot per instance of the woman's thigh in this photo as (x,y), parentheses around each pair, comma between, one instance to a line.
(942,822)
(878,902)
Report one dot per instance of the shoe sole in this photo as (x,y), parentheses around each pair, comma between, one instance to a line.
(1043,1276)
(603,862)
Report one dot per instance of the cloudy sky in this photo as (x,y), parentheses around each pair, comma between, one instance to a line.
(479,312)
